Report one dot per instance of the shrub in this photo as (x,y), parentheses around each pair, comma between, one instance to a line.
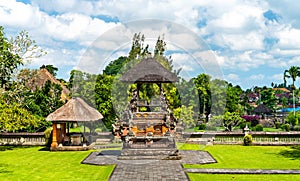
(248,139)
(48,136)
(296,128)
(254,120)
(202,126)
(293,119)
(277,125)
(259,127)
(286,127)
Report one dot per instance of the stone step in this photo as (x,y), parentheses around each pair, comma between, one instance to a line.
(156,157)
(103,141)
(149,152)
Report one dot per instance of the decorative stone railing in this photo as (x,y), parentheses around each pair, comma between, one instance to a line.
(259,138)
(26,139)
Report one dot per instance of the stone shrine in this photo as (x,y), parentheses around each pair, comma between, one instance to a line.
(147,128)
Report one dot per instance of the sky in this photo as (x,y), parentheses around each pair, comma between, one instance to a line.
(247,43)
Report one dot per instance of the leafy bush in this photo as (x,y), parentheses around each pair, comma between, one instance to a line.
(48,136)
(248,140)
(254,120)
(286,127)
(293,120)
(202,126)
(296,128)
(277,125)
(259,127)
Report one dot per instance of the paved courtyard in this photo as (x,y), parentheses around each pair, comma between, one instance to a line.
(148,169)
(165,170)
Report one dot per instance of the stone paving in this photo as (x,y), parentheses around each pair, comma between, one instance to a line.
(148,170)
(165,170)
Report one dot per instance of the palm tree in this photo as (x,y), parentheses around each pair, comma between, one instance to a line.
(292,73)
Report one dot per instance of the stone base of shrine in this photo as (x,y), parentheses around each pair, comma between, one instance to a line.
(150,154)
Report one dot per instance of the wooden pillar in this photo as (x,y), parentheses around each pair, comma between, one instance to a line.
(138,94)
(54,138)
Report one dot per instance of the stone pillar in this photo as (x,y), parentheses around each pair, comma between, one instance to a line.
(54,138)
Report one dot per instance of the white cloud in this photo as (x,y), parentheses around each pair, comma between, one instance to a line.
(233,77)
(289,38)
(257,77)
(236,30)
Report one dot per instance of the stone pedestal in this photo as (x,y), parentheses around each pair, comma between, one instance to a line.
(155,151)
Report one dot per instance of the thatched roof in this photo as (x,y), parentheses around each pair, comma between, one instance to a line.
(75,110)
(262,109)
(43,75)
(149,70)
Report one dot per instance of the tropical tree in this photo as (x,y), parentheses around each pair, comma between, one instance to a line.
(51,69)
(103,99)
(9,61)
(293,72)
(233,98)
(14,118)
(202,83)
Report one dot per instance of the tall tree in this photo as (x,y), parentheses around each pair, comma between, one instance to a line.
(103,99)
(51,69)
(9,61)
(202,83)
(14,53)
(233,98)
(25,47)
(293,72)
(114,67)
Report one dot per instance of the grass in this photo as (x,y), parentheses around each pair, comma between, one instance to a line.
(251,157)
(196,177)
(35,163)
(247,157)
(272,130)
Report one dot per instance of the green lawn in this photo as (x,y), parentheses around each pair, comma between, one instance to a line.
(251,157)
(197,177)
(247,157)
(35,163)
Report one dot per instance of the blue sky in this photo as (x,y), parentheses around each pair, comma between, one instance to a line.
(250,43)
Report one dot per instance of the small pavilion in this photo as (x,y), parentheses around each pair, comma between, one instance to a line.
(262,110)
(74,111)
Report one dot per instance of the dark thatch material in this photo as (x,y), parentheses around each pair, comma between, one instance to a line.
(149,70)
(75,110)
(40,79)
(262,109)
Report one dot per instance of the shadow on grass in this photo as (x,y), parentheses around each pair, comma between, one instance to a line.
(44,149)
(5,148)
(293,154)
(3,167)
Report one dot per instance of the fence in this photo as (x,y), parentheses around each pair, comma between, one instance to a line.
(26,139)
(259,138)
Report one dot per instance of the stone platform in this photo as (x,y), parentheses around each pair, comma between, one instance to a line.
(148,169)
(168,170)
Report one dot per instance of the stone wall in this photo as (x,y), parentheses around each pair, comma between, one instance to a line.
(23,139)
(259,138)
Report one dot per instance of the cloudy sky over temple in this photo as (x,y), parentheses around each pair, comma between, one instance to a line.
(250,43)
